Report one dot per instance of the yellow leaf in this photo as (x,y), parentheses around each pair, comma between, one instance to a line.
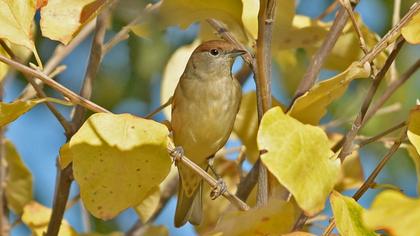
(3,67)
(18,180)
(173,71)
(16,18)
(186,12)
(276,218)
(11,111)
(294,148)
(246,124)
(413,132)
(411,31)
(155,230)
(37,216)
(298,233)
(311,107)
(250,16)
(117,160)
(347,213)
(65,157)
(149,205)
(62,19)
(394,212)
(415,157)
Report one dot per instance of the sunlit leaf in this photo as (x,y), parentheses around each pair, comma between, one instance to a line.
(411,31)
(65,157)
(16,17)
(155,230)
(294,148)
(312,106)
(394,212)
(62,19)
(347,213)
(173,71)
(37,216)
(149,205)
(413,132)
(186,12)
(415,157)
(274,219)
(246,124)
(250,16)
(18,180)
(108,145)
(11,111)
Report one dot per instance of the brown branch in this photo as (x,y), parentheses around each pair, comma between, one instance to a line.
(73,97)
(396,16)
(328,10)
(318,59)
(347,5)
(391,35)
(40,93)
(262,78)
(248,183)
(370,180)
(391,90)
(382,134)
(206,177)
(157,110)
(358,122)
(64,180)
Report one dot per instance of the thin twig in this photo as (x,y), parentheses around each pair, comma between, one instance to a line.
(262,78)
(391,90)
(391,35)
(73,97)
(347,5)
(318,59)
(365,142)
(370,180)
(160,108)
(207,177)
(396,16)
(40,93)
(357,124)
(328,10)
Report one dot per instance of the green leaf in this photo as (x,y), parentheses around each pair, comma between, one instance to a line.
(413,132)
(347,213)
(276,218)
(16,18)
(312,106)
(18,180)
(299,156)
(11,111)
(62,19)
(117,160)
(37,216)
(394,212)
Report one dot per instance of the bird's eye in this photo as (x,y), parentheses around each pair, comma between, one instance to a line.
(214,52)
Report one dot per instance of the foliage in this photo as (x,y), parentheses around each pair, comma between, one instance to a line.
(126,161)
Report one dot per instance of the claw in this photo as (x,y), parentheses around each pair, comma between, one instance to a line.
(219,189)
(177,153)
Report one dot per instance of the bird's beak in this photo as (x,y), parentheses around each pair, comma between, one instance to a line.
(237,52)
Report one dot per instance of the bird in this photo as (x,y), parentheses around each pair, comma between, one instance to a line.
(204,107)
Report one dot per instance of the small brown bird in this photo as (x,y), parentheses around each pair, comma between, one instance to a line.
(204,107)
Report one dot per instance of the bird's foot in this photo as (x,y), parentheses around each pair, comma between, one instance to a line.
(177,153)
(219,189)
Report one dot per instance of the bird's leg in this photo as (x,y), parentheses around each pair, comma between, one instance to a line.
(221,186)
(177,153)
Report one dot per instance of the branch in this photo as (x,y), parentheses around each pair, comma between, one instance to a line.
(328,10)
(206,177)
(390,91)
(391,35)
(365,142)
(370,180)
(396,16)
(64,179)
(73,97)
(262,78)
(358,122)
(318,59)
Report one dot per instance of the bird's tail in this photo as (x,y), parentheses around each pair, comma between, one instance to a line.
(189,207)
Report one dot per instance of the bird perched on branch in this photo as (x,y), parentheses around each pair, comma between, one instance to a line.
(204,107)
